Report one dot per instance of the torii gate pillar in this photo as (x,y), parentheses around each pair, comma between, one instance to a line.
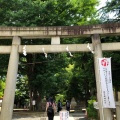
(105,113)
(9,93)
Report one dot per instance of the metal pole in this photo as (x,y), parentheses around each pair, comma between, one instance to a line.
(105,113)
(9,93)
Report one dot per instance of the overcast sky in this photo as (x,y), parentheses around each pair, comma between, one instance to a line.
(102,3)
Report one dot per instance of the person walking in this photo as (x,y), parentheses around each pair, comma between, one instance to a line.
(59,106)
(68,105)
(50,108)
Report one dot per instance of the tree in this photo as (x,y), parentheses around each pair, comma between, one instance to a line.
(41,72)
(83,79)
(2,87)
(112,8)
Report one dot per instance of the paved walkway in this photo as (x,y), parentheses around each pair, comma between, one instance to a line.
(27,115)
(42,116)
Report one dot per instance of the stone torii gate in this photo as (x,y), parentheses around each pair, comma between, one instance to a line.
(16,34)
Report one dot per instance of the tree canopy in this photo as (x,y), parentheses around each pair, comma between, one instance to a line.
(58,73)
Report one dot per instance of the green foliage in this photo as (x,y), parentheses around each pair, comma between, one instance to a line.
(58,74)
(82,78)
(46,77)
(21,92)
(46,13)
(59,97)
(2,87)
(91,111)
(115,66)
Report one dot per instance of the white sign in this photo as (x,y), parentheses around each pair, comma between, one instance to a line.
(64,115)
(106,83)
(33,102)
(95,104)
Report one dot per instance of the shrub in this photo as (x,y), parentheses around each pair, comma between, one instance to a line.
(91,111)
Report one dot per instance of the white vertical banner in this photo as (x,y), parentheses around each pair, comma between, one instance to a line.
(106,83)
(64,115)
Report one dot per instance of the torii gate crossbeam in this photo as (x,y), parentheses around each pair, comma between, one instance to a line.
(61,48)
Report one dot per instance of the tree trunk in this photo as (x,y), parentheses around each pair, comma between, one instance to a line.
(30,100)
(116,93)
(30,74)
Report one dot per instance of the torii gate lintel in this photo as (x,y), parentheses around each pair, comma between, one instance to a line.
(61,31)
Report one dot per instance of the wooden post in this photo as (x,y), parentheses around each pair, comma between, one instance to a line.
(105,113)
(9,93)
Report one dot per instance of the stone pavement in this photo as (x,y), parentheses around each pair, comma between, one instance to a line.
(42,116)
(27,115)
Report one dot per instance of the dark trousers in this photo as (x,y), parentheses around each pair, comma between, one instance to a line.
(50,117)
(68,108)
(59,109)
